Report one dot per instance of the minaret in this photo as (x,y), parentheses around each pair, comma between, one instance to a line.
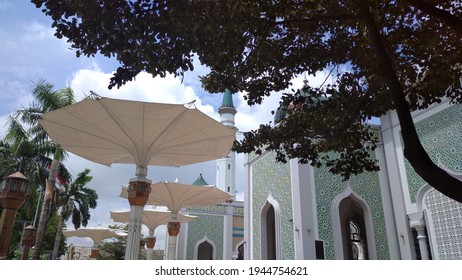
(226,166)
(226,175)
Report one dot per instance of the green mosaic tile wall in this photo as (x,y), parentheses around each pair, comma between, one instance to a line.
(274,178)
(205,225)
(209,208)
(441,136)
(367,186)
(271,177)
(238,210)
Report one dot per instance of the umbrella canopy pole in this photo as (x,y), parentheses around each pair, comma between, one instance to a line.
(173,230)
(138,194)
(150,242)
(94,252)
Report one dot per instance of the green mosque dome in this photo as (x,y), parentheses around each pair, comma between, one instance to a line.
(200,181)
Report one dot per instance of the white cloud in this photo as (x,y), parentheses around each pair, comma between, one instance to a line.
(35,32)
(144,88)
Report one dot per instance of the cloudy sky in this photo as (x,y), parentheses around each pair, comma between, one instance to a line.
(29,52)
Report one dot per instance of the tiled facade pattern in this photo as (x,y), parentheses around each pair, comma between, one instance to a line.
(366,186)
(210,226)
(238,210)
(272,177)
(269,177)
(209,208)
(441,136)
(446,216)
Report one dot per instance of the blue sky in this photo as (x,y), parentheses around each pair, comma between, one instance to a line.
(30,52)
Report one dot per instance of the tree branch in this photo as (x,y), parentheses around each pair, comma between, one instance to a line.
(444,16)
(413,149)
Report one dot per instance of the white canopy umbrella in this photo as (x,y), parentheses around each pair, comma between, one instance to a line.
(95,234)
(108,131)
(176,196)
(152,218)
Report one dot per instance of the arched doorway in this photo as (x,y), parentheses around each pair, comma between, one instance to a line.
(354,230)
(240,251)
(205,251)
(270,230)
(352,227)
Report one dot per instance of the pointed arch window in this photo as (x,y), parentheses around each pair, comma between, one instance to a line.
(352,227)
(204,249)
(270,230)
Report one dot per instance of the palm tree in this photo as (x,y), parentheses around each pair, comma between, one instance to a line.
(19,153)
(74,200)
(47,99)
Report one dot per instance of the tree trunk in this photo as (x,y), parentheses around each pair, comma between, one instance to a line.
(413,149)
(46,208)
(59,233)
(43,221)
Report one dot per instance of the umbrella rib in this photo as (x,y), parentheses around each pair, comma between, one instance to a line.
(174,202)
(196,141)
(182,153)
(174,121)
(192,201)
(117,122)
(86,132)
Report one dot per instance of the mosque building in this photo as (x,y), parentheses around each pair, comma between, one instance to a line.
(295,211)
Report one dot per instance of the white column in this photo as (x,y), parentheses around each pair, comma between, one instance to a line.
(417,221)
(304,210)
(392,146)
(138,190)
(387,201)
(248,233)
(132,249)
(228,233)
(149,253)
(171,253)
(182,241)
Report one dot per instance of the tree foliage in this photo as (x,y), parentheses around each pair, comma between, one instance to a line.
(114,248)
(28,140)
(398,55)
(74,200)
(20,152)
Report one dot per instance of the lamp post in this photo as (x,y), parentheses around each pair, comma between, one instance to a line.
(28,238)
(13,190)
